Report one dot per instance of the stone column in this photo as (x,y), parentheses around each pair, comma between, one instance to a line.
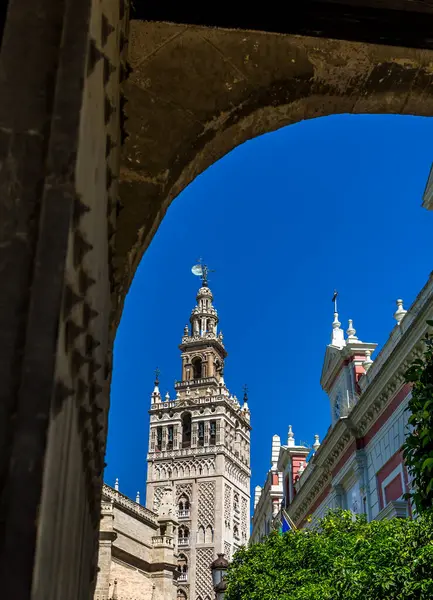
(59,113)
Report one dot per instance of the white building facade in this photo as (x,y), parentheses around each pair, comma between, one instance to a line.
(359,465)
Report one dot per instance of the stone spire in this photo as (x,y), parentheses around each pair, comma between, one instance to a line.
(400,312)
(290,438)
(137,498)
(337,333)
(245,408)
(116,484)
(316,444)
(156,394)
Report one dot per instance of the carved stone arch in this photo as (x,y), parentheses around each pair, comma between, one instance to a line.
(209,534)
(201,535)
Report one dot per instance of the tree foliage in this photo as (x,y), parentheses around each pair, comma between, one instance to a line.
(418,447)
(342,558)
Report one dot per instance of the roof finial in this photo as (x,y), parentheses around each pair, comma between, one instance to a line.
(137,498)
(116,484)
(337,333)
(290,437)
(156,394)
(316,443)
(351,337)
(367,362)
(245,388)
(400,312)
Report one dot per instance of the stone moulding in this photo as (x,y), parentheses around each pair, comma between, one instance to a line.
(124,502)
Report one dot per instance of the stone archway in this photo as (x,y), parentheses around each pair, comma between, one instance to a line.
(68,252)
(209,90)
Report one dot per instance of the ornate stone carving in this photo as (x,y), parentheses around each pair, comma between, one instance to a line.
(157,496)
(206,504)
(203,580)
(183,488)
(244,519)
(227,505)
(228,551)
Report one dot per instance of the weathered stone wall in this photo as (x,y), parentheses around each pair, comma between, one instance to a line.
(131,582)
(59,158)
(133,536)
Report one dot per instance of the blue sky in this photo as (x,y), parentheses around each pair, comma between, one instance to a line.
(283,219)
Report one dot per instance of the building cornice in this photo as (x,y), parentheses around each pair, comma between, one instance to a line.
(139,563)
(130,507)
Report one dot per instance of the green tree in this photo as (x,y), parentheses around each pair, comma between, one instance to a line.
(418,447)
(342,558)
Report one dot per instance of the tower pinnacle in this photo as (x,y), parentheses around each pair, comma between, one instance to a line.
(337,333)
(156,394)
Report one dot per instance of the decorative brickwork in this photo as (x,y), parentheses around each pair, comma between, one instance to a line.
(203,580)
(227,505)
(206,504)
(228,550)
(157,497)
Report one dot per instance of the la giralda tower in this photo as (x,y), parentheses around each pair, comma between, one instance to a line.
(199,444)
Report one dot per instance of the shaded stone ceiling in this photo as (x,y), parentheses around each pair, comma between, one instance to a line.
(195,93)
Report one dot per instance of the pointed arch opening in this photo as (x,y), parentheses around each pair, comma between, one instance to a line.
(197,367)
(183,507)
(183,536)
(186,430)
(182,568)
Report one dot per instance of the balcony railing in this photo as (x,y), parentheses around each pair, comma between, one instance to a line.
(183,577)
(183,542)
(184,514)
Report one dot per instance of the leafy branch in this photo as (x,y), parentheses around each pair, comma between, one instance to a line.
(418,447)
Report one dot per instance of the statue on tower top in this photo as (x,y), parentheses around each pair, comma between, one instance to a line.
(202,270)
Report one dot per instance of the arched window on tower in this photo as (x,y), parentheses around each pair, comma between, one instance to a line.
(236,532)
(159,439)
(170,431)
(182,568)
(209,535)
(212,433)
(186,430)
(197,367)
(181,595)
(184,507)
(200,434)
(183,536)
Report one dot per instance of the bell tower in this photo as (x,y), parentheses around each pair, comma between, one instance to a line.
(199,444)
